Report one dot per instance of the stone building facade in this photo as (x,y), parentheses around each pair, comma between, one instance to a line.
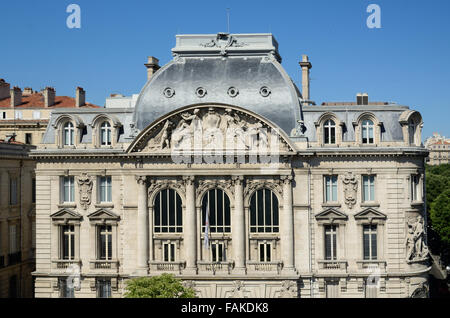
(439,148)
(224,175)
(17,220)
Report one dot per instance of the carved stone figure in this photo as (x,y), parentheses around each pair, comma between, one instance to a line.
(85,186)
(350,189)
(162,139)
(416,249)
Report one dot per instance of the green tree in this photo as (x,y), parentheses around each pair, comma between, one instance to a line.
(163,286)
(440,215)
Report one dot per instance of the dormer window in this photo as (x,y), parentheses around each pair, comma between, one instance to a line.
(329,132)
(367,132)
(68,134)
(105,134)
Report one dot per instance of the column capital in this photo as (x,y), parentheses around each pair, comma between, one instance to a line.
(188,180)
(286,179)
(141,180)
(237,180)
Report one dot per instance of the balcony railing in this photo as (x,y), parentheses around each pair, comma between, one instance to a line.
(333,264)
(215,267)
(159,266)
(104,264)
(371,264)
(265,267)
(64,264)
(14,258)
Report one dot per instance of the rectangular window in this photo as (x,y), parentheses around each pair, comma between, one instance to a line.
(331,188)
(13,191)
(36,114)
(415,187)
(18,114)
(66,290)
(330,242)
(105,189)
(68,242)
(33,190)
(218,252)
(265,252)
(28,138)
(3,115)
(169,252)
(368,188)
(370,242)
(104,288)
(104,242)
(13,248)
(68,189)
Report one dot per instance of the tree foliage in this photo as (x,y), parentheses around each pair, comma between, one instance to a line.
(440,215)
(163,286)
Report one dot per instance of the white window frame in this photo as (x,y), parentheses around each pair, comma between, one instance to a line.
(329,126)
(415,187)
(68,133)
(366,126)
(265,254)
(332,231)
(215,255)
(108,233)
(18,114)
(371,181)
(36,114)
(330,182)
(169,252)
(367,230)
(105,133)
(71,234)
(71,189)
(105,189)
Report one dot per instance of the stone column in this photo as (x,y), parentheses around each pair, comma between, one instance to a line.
(287,227)
(190,227)
(142,226)
(238,226)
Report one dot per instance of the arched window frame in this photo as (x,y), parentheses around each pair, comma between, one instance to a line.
(178,216)
(256,227)
(225,196)
(96,125)
(412,124)
(321,126)
(358,125)
(60,125)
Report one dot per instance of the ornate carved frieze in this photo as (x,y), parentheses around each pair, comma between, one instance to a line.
(156,185)
(350,189)
(211,129)
(205,185)
(274,184)
(416,248)
(85,186)
(223,41)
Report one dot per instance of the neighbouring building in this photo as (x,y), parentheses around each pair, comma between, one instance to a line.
(17,220)
(222,173)
(25,114)
(439,148)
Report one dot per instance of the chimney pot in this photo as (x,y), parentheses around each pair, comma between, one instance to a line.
(80,97)
(152,66)
(49,96)
(306,66)
(27,91)
(362,99)
(16,96)
(4,89)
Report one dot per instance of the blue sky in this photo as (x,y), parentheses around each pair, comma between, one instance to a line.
(406,61)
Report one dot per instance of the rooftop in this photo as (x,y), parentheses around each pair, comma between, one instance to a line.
(36,100)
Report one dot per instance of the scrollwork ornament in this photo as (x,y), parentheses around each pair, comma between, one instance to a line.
(85,186)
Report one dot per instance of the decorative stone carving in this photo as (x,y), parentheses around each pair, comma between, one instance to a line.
(223,41)
(156,185)
(350,189)
(238,289)
(416,249)
(85,186)
(421,291)
(215,128)
(205,185)
(288,289)
(189,284)
(253,185)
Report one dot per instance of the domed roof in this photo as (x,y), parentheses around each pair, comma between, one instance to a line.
(241,70)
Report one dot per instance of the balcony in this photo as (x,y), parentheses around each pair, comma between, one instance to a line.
(215,267)
(371,264)
(333,265)
(173,267)
(64,264)
(265,267)
(14,258)
(105,265)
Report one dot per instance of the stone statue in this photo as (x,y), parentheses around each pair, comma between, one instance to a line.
(162,139)
(350,189)
(85,186)
(416,249)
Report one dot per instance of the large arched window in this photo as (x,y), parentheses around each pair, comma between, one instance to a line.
(217,204)
(68,134)
(264,214)
(367,132)
(329,132)
(168,217)
(105,134)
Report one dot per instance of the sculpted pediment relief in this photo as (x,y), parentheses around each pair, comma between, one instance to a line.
(205,128)
(331,215)
(66,214)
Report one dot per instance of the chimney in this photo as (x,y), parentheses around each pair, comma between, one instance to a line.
(4,89)
(80,97)
(152,66)
(16,96)
(306,66)
(362,99)
(27,91)
(49,96)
